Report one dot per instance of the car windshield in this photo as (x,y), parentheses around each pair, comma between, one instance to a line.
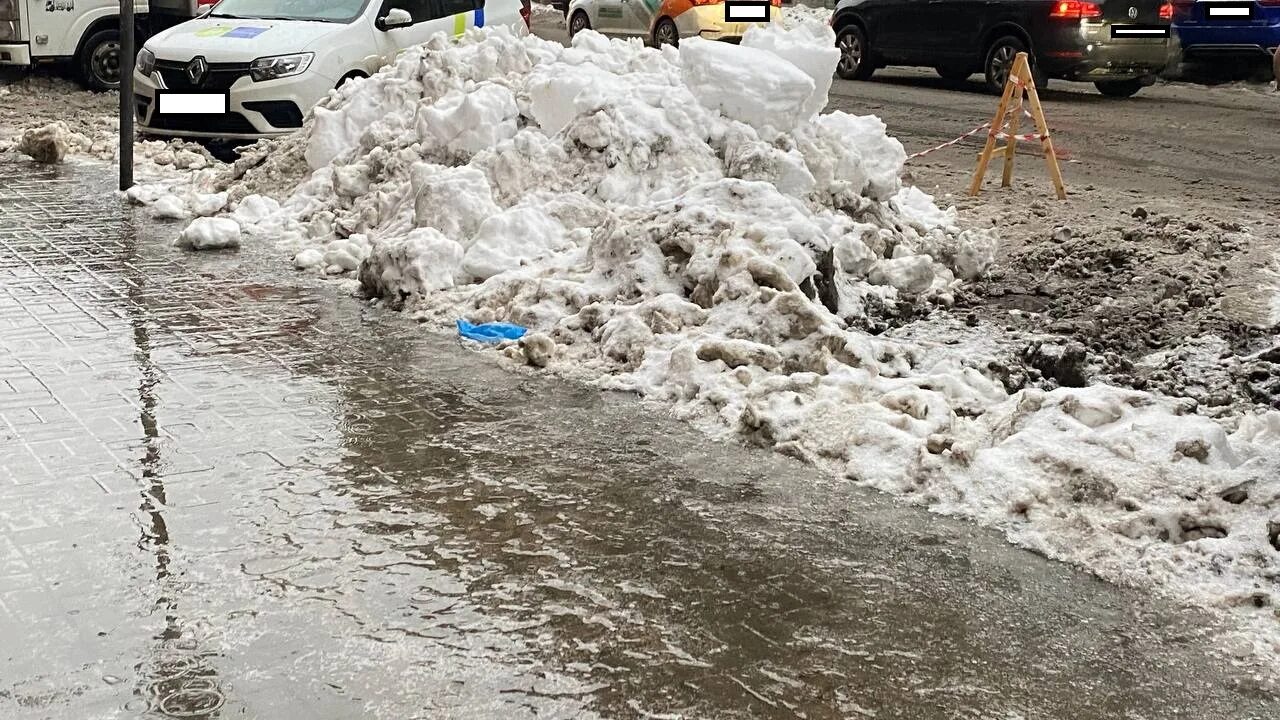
(322,10)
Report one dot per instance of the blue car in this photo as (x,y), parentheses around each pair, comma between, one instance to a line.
(1220,28)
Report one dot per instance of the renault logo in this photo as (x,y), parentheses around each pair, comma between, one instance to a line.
(1133,13)
(196,70)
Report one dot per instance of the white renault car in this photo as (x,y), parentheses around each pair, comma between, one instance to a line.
(250,69)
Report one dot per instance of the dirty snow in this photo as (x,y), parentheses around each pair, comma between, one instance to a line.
(52,120)
(724,256)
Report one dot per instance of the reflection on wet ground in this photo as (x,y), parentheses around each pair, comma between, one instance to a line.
(229,491)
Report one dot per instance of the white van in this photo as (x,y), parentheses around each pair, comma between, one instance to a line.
(83,32)
(249,69)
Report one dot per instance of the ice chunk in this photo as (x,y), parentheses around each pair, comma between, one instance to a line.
(420,262)
(810,47)
(254,209)
(170,207)
(746,84)
(210,233)
(48,144)
(912,274)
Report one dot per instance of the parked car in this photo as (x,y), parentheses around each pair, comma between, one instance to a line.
(661,22)
(1066,39)
(1251,30)
(82,33)
(249,69)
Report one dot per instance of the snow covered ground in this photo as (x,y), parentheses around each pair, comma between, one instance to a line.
(684,225)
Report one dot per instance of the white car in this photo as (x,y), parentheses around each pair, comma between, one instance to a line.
(250,69)
(664,22)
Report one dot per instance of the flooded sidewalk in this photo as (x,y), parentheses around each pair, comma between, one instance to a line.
(229,490)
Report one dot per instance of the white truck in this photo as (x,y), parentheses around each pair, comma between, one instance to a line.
(85,33)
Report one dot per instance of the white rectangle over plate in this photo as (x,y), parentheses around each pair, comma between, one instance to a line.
(171,103)
(1227,11)
(1140,31)
(746,12)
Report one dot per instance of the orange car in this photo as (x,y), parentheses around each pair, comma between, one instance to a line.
(664,22)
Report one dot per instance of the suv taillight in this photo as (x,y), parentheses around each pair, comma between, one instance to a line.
(526,10)
(1166,11)
(1075,10)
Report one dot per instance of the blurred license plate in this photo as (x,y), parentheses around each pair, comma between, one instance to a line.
(736,11)
(170,102)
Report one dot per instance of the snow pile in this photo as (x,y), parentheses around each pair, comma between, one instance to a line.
(721,251)
(810,19)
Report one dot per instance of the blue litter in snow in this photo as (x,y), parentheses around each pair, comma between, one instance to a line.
(490,332)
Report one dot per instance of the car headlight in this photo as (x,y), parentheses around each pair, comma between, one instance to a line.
(146,62)
(270,68)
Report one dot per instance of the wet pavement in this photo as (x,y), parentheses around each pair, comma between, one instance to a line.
(227,490)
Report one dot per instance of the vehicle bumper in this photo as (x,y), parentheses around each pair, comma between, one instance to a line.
(1200,39)
(243,122)
(708,21)
(1087,52)
(15,54)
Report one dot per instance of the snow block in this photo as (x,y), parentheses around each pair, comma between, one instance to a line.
(746,84)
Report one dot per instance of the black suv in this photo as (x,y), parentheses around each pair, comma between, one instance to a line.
(1067,39)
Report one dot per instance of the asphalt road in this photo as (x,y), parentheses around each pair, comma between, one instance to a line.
(1217,144)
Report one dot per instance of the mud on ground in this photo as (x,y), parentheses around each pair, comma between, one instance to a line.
(1174,297)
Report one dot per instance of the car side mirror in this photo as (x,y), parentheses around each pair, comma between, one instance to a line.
(395,18)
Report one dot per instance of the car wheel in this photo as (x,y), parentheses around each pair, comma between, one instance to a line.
(98,64)
(1120,88)
(349,76)
(665,33)
(953,74)
(855,58)
(999,63)
(578,23)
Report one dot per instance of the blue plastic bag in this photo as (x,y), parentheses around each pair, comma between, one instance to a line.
(490,332)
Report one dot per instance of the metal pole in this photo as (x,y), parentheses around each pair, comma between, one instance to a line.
(126,94)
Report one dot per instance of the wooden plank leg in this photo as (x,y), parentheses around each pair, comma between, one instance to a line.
(985,157)
(1046,142)
(1006,179)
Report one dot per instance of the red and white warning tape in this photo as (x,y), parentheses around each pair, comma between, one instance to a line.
(984,126)
(1023,137)
(949,143)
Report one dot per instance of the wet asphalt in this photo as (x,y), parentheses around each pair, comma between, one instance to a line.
(229,490)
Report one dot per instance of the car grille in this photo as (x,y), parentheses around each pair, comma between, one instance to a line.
(221,76)
(232,123)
